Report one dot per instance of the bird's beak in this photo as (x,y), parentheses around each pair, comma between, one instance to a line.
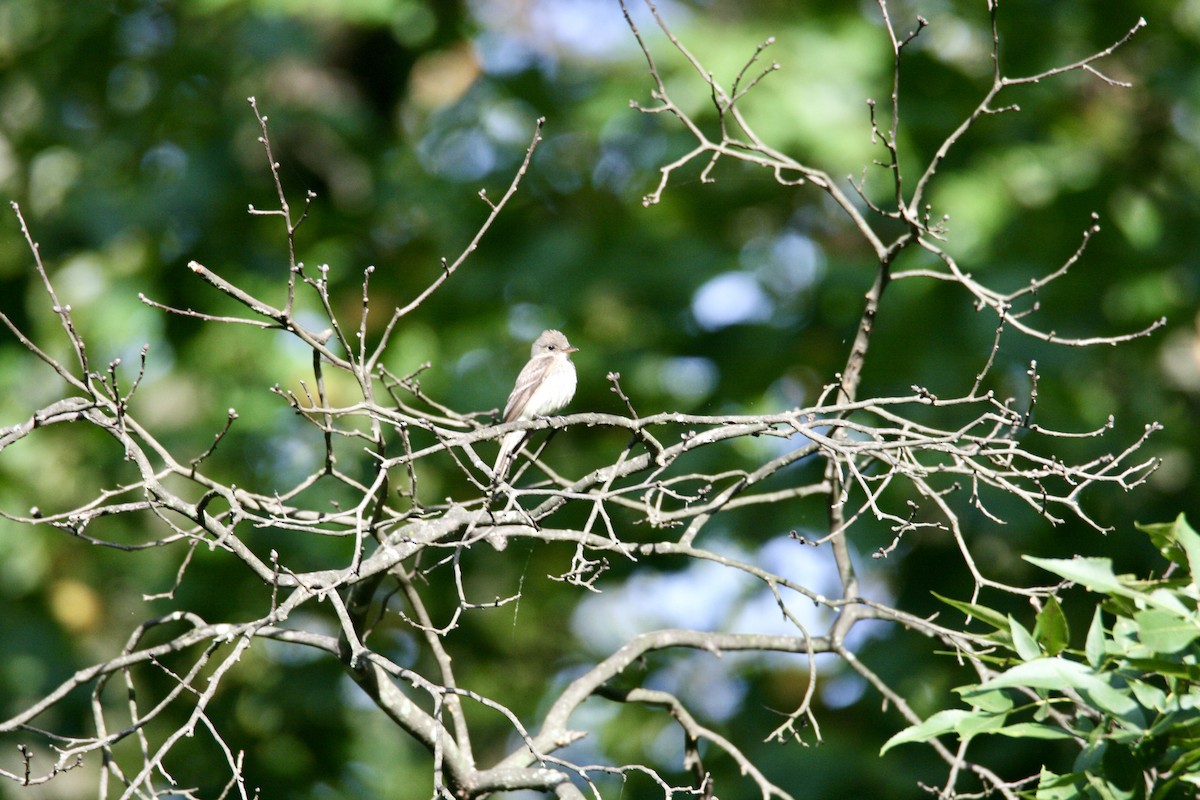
(571,350)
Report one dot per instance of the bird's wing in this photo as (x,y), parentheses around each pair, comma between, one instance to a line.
(527,383)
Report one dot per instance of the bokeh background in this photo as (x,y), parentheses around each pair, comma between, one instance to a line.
(126,136)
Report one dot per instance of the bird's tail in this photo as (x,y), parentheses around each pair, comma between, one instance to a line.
(508,450)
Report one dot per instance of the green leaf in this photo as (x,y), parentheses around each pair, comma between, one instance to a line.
(1094,646)
(1097,574)
(1185,765)
(1177,541)
(1059,674)
(1050,672)
(1094,573)
(1149,695)
(997,702)
(1119,607)
(1166,668)
(1107,790)
(1168,600)
(1091,757)
(1190,540)
(1023,643)
(966,724)
(1051,629)
(984,614)
(1124,633)
(938,724)
(975,724)
(1165,632)
(1162,535)
(1032,730)
(1058,787)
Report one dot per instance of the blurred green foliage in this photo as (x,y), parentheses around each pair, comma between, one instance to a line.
(125,135)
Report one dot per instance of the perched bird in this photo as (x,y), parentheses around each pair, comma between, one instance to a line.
(546,384)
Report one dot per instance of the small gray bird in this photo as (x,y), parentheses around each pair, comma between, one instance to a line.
(546,384)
